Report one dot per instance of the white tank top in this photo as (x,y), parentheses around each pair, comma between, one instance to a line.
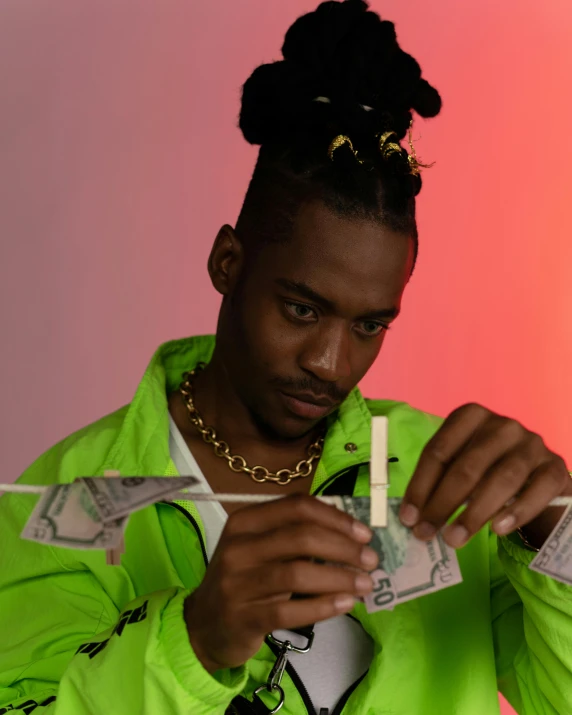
(342,651)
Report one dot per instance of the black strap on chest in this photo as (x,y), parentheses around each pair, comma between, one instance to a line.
(341,484)
(241,706)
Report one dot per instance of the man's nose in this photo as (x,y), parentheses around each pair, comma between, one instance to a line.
(327,354)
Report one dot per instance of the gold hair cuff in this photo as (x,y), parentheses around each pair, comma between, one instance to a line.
(388,145)
(339,141)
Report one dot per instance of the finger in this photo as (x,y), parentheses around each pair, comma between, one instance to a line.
(502,482)
(482,460)
(296,541)
(286,615)
(546,482)
(301,577)
(455,432)
(295,509)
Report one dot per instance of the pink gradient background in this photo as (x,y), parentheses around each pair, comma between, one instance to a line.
(121,158)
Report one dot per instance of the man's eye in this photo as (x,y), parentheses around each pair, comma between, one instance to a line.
(299,310)
(372,329)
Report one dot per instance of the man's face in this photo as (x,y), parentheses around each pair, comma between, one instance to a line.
(308,316)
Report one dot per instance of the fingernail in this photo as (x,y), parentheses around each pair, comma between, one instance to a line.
(362,532)
(344,603)
(505,524)
(425,530)
(456,535)
(364,584)
(369,558)
(409,514)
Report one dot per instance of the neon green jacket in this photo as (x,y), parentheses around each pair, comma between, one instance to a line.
(78,637)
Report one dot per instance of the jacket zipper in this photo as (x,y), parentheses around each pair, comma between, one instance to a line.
(298,684)
(320,490)
(330,480)
(196,527)
(346,696)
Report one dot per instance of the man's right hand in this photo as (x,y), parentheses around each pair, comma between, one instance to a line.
(263,557)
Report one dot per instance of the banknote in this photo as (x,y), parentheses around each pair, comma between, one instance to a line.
(66,516)
(92,513)
(408,568)
(429,566)
(114,497)
(390,543)
(555,557)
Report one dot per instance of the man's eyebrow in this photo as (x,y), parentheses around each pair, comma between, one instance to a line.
(386,314)
(304,290)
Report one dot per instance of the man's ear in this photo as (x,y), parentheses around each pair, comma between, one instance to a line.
(226,260)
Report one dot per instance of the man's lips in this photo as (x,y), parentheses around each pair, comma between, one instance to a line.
(308,406)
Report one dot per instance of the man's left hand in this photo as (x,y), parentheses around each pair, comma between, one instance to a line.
(504,473)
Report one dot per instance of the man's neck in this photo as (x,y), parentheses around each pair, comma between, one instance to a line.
(220,407)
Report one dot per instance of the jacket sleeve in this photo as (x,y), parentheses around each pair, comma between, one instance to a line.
(532,627)
(66,649)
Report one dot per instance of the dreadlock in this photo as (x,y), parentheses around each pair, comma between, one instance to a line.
(343,72)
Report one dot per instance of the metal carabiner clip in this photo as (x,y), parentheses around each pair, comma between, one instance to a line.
(289,646)
(276,674)
(280,695)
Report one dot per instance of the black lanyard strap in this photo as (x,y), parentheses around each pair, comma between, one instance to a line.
(340,484)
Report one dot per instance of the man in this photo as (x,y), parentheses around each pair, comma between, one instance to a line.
(312,277)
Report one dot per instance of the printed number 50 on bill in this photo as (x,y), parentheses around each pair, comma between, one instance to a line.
(384,595)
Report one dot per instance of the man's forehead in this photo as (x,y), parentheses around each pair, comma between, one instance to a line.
(319,231)
(316,218)
(357,261)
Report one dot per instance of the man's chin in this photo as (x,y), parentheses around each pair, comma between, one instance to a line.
(297,430)
(287,428)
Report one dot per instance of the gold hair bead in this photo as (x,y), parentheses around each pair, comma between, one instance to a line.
(339,141)
(387,147)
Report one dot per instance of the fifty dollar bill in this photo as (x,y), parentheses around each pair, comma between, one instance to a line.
(408,568)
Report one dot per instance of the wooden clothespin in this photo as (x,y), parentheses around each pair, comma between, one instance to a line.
(378,480)
(113,556)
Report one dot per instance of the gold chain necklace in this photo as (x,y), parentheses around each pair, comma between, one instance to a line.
(235,461)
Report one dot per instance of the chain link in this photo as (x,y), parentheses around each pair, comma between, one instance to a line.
(236,462)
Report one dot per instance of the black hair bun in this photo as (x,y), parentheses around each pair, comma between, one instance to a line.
(350,59)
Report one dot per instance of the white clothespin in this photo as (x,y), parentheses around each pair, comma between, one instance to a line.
(113,556)
(378,480)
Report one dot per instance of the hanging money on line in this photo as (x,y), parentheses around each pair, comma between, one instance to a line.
(65,516)
(92,513)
